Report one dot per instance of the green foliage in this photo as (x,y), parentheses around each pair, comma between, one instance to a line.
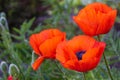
(24,30)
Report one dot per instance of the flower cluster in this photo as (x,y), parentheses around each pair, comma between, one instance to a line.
(81,53)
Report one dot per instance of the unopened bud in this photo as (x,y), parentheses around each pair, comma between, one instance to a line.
(3,21)
(2,14)
(13,70)
(3,67)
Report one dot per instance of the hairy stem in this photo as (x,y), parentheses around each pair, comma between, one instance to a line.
(64,76)
(84,78)
(106,63)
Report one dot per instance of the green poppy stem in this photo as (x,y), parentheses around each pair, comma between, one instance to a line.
(84,75)
(105,60)
(64,76)
(92,75)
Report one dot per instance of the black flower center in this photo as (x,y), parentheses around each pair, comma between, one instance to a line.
(79,54)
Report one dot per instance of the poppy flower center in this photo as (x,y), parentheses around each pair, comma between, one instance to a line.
(79,54)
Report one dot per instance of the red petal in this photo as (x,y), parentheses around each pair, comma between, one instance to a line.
(81,42)
(71,64)
(65,53)
(87,65)
(37,39)
(48,48)
(37,62)
(60,54)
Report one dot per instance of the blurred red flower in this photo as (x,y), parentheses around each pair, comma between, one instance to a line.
(10,78)
(96,18)
(82,53)
(45,43)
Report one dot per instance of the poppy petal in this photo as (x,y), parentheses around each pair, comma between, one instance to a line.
(37,39)
(97,51)
(61,56)
(37,62)
(86,65)
(71,64)
(34,40)
(64,53)
(48,48)
(81,42)
(111,19)
(84,24)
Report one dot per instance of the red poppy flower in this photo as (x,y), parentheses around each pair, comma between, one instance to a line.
(82,53)
(96,18)
(45,43)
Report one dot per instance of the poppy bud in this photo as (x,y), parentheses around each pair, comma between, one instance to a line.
(3,67)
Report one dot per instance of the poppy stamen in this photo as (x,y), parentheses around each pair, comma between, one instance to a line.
(79,54)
